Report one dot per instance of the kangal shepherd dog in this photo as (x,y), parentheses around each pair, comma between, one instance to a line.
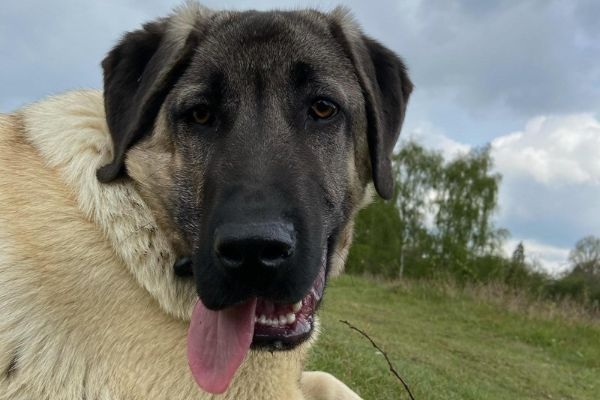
(171,237)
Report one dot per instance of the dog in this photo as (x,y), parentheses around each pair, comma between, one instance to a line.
(171,236)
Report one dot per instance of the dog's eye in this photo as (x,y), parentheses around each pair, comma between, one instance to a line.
(202,115)
(323,109)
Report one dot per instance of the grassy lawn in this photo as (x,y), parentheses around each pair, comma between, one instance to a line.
(458,346)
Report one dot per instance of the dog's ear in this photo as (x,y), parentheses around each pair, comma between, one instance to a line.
(386,87)
(139,73)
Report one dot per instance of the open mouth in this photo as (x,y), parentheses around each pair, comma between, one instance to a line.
(218,341)
(280,327)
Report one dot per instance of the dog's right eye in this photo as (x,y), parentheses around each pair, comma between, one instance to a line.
(201,115)
(323,109)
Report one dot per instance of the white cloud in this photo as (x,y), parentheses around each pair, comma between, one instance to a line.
(551,184)
(553,151)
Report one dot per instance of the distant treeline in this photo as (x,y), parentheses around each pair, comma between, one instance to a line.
(439,225)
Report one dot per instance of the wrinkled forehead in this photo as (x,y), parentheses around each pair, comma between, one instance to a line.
(278,46)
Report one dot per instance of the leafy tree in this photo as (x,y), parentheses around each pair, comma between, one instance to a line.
(376,241)
(417,173)
(467,199)
(438,221)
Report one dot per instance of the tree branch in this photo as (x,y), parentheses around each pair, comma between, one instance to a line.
(392,369)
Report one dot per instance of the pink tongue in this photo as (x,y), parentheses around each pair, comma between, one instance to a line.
(218,342)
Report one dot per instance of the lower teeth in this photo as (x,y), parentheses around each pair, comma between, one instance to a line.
(277,321)
(281,320)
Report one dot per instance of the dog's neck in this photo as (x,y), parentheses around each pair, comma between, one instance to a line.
(77,144)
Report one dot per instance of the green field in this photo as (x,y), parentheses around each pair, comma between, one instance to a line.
(450,343)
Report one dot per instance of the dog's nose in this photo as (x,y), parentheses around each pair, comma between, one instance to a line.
(264,245)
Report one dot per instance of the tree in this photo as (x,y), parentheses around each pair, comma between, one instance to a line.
(417,172)
(585,257)
(439,220)
(582,282)
(467,199)
(517,270)
(376,240)
(518,255)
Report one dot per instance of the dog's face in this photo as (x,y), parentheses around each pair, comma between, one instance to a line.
(262,142)
(253,136)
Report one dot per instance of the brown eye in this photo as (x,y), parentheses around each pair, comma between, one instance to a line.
(323,109)
(201,115)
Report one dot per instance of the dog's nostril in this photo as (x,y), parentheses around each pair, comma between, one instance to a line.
(231,253)
(254,245)
(275,252)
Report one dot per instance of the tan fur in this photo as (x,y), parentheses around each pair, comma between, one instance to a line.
(323,386)
(89,306)
(149,164)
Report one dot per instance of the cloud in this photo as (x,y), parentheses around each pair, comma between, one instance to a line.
(551,179)
(531,57)
(504,57)
(553,151)
(51,47)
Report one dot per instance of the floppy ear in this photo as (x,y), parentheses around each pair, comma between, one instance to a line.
(386,88)
(139,73)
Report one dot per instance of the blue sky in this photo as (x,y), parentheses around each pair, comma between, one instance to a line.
(523,75)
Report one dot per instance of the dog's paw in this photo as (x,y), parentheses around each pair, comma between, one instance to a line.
(317,385)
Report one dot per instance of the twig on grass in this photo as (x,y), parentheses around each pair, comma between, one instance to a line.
(392,369)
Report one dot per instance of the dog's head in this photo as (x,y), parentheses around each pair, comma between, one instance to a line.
(253,138)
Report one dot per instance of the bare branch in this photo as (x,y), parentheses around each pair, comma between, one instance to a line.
(392,369)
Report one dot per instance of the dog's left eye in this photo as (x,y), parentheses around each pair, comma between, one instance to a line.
(323,109)
(202,115)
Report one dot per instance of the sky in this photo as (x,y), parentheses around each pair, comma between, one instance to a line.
(523,76)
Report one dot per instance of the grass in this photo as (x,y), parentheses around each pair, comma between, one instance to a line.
(451,343)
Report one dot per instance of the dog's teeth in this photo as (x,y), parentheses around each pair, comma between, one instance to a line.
(282,320)
(290,318)
(275,322)
(297,306)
